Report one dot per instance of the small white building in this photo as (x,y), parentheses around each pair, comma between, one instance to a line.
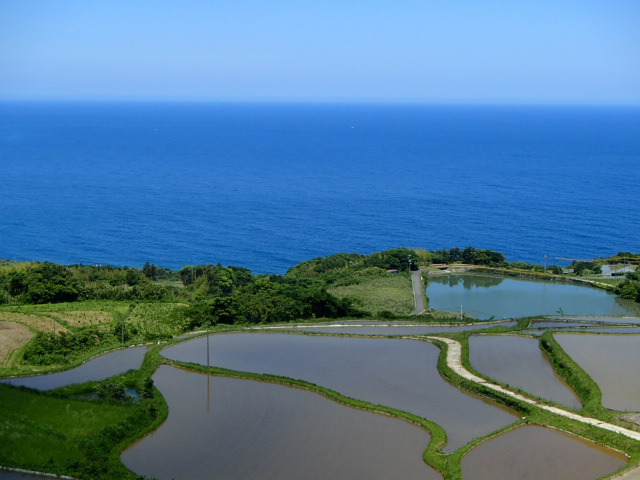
(617,270)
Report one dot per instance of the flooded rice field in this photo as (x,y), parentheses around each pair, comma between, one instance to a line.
(602,318)
(386,329)
(492,296)
(561,324)
(230,428)
(614,330)
(98,368)
(534,453)
(401,374)
(613,361)
(519,362)
(11,475)
(620,330)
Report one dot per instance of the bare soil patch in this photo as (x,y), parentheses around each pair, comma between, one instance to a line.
(12,337)
(35,322)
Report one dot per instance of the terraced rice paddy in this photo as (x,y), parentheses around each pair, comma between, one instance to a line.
(38,323)
(397,329)
(613,361)
(231,428)
(401,374)
(99,368)
(535,453)
(12,336)
(519,362)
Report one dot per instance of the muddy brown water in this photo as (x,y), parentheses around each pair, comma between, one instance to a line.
(613,361)
(519,362)
(401,374)
(99,368)
(401,330)
(229,428)
(535,453)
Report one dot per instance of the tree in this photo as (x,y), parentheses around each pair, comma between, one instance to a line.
(150,271)
(50,283)
(395,259)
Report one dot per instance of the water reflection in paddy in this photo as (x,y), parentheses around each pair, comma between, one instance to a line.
(561,324)
(519,362)
(386,329)
(98,368)
(231,428)
(486,296)
(534,453)
(620,330)
(613,330)
(604,319)
(613,361)
(9,475)
(398,373)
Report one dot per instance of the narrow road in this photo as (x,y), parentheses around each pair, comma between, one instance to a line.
(418,291)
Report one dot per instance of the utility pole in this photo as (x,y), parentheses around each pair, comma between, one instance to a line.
(208,377)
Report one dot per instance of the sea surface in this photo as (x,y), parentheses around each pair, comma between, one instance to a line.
(266,186)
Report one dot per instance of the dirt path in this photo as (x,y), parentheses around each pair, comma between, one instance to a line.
(454,360)
(633,474)
(12,337)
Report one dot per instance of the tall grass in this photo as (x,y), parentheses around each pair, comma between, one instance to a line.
(391,293)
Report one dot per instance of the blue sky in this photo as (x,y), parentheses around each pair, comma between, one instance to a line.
(447,51)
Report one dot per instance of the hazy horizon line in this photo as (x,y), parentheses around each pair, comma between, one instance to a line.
(381,102)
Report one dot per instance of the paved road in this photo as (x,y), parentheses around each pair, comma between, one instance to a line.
(418,291)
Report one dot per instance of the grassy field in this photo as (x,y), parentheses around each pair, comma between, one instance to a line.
(84,329)
(392,293)
(59,432)
(41,432)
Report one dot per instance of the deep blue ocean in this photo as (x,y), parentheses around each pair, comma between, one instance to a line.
(266,186)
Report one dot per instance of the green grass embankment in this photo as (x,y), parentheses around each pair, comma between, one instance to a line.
(432,455)
(59,432)
(579,380)
(530,414)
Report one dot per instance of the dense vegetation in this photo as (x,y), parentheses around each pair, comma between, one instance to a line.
(66,434)
(225,294)
(630,287)
(84,310)
(471,256)
(154,303)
